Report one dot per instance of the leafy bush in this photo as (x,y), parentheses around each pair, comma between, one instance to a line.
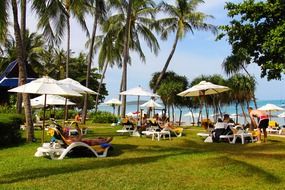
(103,117)
(7,109)
(10,129)
(59,113)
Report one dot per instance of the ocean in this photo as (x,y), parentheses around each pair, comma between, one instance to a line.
(132,107)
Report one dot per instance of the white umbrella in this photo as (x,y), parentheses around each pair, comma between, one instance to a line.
(45,85)
(151,104)
(202,89)
(50,100)
(138,91)
(282,114)
(271,107)
(76,86)
(113,102)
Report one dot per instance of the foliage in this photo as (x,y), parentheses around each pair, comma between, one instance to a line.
(170,86)
(58,113)
(256,33)
(10,129)
(7,109)
(103,117)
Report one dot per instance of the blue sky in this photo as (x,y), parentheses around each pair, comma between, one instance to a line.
(195,55)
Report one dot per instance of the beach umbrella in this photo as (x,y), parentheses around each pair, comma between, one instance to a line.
(138,91)
(202,89)
(45,86)
(151,104)
(76,86)
(113,102)
(51,100)
(270,108)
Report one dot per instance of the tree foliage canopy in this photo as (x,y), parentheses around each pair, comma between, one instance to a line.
(256,33)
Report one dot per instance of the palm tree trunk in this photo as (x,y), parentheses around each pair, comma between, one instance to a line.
(252,93)
(90,56)
(126,56)
(23,30)
(100,84)
(120,96)
(166,64)
(22,71)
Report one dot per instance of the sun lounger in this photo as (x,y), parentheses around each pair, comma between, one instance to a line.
(56,150)
(240,133)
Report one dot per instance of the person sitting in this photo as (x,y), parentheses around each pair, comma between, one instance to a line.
(169,125)
(207,124)
(77,117)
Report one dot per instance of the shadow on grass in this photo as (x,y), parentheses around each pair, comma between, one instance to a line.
(89,165)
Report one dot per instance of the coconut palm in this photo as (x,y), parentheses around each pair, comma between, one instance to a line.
(54,18)
(234,64)
(132,21)
(240,86)
(99,12)
(183,18)
(20,51)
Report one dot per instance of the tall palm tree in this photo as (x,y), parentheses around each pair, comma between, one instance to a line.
(133,20)
(21,55)
(98,12)
(234,64)
(54,18)
(240,86)
(109,55)
(183,18)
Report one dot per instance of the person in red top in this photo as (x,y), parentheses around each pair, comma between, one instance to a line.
(263,121)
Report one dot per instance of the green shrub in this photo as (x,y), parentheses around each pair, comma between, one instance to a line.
(103,117)
(10,129)
(58,113)
(7,109)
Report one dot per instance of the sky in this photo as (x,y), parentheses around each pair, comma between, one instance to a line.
(197,54)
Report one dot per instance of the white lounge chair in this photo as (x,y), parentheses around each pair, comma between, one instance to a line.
(56,150)
(238,132)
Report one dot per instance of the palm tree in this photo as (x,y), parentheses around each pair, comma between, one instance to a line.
(183,18)
(99,12)
(240,86)
(21,55)
(54,17)
(109,55)
(234,64)
(133,20)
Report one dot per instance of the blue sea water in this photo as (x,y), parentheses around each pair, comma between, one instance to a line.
(226,109)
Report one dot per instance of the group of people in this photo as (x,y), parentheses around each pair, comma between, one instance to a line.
(259,120)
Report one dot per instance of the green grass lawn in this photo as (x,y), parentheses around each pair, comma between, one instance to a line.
(140,163)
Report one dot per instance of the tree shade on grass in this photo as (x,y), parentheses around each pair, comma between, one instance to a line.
(140,163)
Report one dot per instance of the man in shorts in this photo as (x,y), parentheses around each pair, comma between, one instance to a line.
(263,121)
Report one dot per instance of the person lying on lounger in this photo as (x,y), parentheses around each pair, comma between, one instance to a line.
(70,139)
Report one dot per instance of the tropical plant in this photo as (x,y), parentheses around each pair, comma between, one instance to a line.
(257,30)
(234,64)
(98,11)
(240,86)
(133,20)
(183,18)
(170,86)
(54,18)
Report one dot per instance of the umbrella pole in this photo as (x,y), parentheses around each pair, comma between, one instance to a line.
(44,118)
(138,109)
